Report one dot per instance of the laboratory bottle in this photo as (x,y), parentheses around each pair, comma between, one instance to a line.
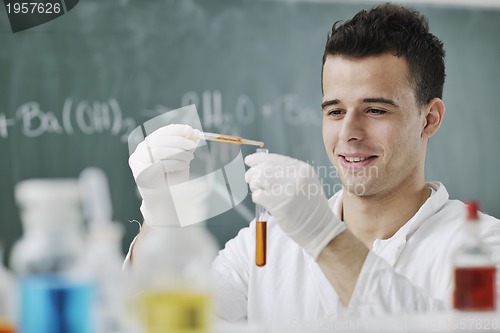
(7,299)
(170,268)
(102,266)
(52,298)
(102,262)
(474,271)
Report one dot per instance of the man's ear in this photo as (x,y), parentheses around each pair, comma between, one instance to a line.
(433,115)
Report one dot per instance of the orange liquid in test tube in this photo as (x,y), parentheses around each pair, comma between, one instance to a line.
(261,216)
(260,243)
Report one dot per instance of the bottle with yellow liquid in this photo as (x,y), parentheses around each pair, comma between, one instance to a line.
(170,273)
(176,311)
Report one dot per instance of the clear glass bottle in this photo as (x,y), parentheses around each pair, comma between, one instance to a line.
(101,265)
(474,271)
(170,274)
(43,258)
(102,261)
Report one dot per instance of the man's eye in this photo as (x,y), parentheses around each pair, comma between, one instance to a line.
(376,111)
(334,113)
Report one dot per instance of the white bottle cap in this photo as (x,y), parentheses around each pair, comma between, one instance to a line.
(52,191)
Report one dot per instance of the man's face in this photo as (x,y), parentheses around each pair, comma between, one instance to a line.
(372,125)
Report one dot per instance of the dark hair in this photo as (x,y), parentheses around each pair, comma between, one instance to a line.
(400,31)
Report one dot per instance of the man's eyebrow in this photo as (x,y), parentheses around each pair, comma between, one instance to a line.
(329,103)
(379,100)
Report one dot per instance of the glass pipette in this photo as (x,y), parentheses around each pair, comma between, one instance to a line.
(227,138)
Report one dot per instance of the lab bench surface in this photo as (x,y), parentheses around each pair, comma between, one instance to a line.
(424,323)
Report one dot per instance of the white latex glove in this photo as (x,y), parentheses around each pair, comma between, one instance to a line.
(291,192)
(158,162)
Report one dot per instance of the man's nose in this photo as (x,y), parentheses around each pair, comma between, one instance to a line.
(352,127)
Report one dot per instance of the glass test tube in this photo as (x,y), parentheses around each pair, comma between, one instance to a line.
(261,216)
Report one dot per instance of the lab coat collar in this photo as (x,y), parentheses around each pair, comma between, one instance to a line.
(390,249)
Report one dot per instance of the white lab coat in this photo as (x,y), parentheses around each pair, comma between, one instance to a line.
(408,273)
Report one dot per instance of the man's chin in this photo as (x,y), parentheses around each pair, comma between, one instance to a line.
(359,189)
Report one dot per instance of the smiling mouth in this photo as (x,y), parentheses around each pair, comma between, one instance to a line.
(357,159)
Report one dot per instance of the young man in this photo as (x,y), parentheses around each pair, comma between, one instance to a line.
(382,245)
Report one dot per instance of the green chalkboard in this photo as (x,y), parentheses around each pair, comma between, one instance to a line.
(72,89)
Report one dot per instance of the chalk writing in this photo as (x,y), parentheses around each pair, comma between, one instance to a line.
(5,123)
(287,108)
(84,117)
(94,117)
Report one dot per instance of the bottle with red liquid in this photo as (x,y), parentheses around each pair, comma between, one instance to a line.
(474,270)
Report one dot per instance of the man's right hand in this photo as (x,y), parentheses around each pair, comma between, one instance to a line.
(160,161)
(165,152)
